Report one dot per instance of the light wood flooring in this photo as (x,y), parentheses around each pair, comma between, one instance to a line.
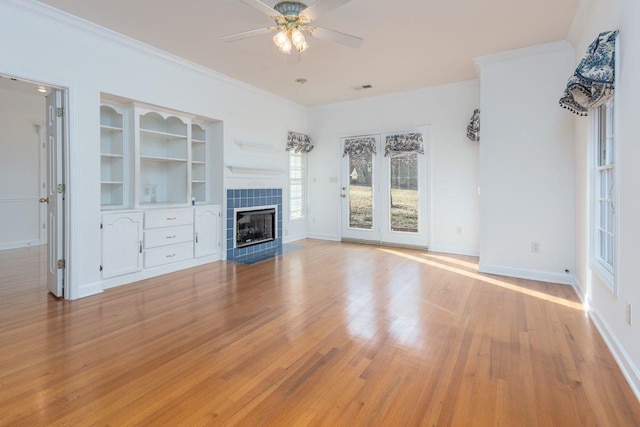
(332,334)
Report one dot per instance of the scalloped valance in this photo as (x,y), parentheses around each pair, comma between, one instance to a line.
(473,128)
(363,147)
(299,142)
(592,84)
(404,143)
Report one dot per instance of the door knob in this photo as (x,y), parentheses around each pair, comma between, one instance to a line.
(344,196)
(44,200)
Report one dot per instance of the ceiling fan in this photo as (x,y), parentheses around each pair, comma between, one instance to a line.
(293,20)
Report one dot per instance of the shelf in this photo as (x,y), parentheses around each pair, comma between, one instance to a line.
(198,141)
(198,181)
(256,148)
(112,156)
(197,162)
(111,182)
(162,159)
(112,129)
(242,170)
(173,136)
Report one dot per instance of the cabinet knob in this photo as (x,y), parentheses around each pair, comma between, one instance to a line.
(44,200)
(171,237)
(170,256)
(173,218)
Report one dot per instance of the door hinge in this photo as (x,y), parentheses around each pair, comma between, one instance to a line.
(61,188)
(61,264)
(100,268)
(100,226)
(60,112)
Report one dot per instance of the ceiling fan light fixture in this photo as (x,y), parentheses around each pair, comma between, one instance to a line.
(304,46)
(286,46)
(280,39)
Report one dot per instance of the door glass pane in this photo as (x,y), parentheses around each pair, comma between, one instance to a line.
(361,191)
(404,192)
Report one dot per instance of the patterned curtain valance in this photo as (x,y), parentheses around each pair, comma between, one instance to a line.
(592,83)
(405,143)
(364,147)
(299,142)
(473,129)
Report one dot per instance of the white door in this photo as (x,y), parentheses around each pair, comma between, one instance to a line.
(121,243)
(383,197)
(55,193)
(207,226)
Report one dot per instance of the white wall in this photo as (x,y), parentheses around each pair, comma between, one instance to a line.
(20,112)
(608,311)
(453,164)
(526,164)
(89,63)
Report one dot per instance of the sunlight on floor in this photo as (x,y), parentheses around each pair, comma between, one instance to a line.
(489,280)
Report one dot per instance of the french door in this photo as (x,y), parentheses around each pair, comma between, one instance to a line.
(383,193)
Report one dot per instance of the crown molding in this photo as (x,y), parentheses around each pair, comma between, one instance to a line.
(40,10)
(485,60)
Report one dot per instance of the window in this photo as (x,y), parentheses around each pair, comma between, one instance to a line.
(604,192)
(297,185)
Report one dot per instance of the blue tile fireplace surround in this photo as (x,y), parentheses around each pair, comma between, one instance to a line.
(247,198)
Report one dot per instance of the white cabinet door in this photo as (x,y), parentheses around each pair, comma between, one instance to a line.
(121,243)
(207,230)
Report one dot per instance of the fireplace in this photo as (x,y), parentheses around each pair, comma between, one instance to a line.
(255,225)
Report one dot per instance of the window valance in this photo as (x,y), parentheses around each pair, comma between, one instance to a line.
(592,83)
(473,128)
(405,143)
(299,142)
(363,147)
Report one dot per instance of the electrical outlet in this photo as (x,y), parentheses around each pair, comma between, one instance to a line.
(535,247)
(628,314)
(458,230)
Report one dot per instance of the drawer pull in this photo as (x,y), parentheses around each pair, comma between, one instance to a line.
(170,256)
(173,218)
(171,237)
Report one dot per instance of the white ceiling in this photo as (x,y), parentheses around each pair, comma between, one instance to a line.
(408,44)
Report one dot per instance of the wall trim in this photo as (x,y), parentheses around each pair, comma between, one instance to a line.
(20,244)
(629,370)
(454,250)
(523,273)
(147,273)
(318,236)
(52,14)
(482,61)
(290,239)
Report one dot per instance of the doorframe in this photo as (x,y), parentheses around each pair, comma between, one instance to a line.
(425,129)
(70,167)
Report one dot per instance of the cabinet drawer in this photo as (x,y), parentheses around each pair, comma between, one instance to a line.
(167,254)
(168,218)
(168,236)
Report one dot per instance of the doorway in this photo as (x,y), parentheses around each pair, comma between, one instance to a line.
(32,196)
(384,181)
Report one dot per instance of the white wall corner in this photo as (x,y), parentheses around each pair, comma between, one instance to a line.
(522,273)
(290,239)
(87,290)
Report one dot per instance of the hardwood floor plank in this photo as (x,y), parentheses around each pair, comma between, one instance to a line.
(330,334)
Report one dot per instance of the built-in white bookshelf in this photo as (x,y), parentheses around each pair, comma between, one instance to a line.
(113,158)
(164,155)
(198,163)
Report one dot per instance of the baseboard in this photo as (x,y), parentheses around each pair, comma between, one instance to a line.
(330,237)
(625,363)
(522,273)
(290,239)
(454,250)
(147,273)
(17,245)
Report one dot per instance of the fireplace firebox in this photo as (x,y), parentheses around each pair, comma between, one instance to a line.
(255,225)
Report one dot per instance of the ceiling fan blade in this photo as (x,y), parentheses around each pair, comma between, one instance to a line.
(335,36)
(262,7)
(246,34)
(321,7)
